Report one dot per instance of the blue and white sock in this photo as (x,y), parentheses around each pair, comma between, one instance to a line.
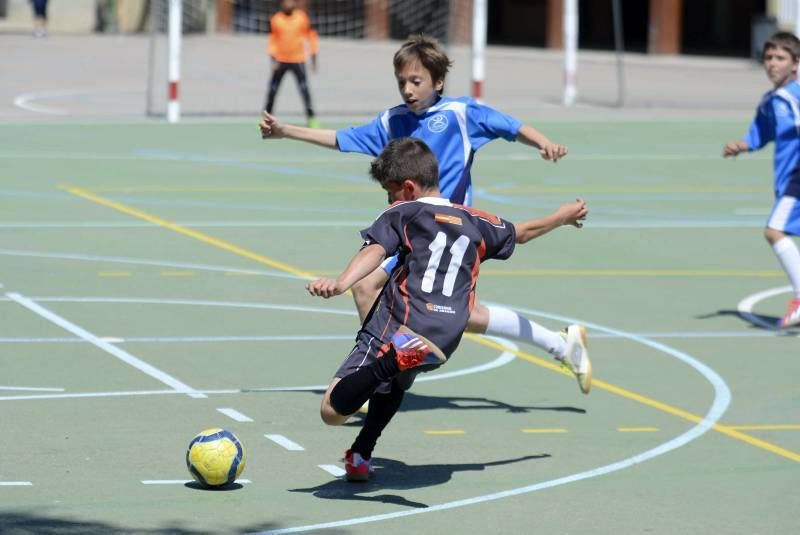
(506,323)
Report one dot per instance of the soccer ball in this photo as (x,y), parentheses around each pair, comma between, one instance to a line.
(215,458)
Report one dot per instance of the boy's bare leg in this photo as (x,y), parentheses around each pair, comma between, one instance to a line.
(327,412)
(367,290)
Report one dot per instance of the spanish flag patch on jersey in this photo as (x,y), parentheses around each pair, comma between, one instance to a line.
(444,218)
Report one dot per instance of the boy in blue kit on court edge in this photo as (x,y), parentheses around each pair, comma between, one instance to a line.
(778,119)
(418,320)
(454,129)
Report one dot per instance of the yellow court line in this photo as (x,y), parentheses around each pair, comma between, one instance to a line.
(536,360)
(544,430)
(444,432)
(180,229)
(779,427)
(631,273)
(596,383)
(637,429)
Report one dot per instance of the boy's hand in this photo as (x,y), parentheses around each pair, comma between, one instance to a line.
(553,152)
(324,288)
(573,213)
(734,148)
(270,127)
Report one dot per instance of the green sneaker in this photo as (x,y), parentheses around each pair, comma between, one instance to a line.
(313,123)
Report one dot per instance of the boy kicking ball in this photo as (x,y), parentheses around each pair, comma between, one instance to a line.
(421,314)
(777,119)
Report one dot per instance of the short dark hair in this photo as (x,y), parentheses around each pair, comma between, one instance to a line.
(406,158)
(427,51)
(785,40)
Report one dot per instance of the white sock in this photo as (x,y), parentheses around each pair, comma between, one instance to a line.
(506,323)
(789,257)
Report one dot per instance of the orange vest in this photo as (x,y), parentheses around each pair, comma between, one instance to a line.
(291,37)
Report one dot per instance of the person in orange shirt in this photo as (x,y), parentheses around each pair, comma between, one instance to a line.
(291,39)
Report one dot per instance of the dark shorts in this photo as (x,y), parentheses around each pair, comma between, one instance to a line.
(40,8)
(365,353)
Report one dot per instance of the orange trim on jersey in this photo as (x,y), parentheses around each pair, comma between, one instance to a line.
(476,268)
(404,285)
(493,219)
(291,37)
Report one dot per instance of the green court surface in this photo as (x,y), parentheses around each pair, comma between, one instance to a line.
(153,274)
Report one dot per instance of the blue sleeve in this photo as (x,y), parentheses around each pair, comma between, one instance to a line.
(485,124)
(762,130)
(370,138)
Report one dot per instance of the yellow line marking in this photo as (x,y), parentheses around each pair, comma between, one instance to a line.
(631,273)
(178,273)
(369,189)
(637,429)
(114,274)
(544,430)
(597,383)
(785,427)
(536,360)
(197,235)
(444,432)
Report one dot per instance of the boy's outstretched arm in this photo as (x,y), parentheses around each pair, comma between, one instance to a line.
(547,149)
(272,128)
(572,213)
(734,148)
(362,264)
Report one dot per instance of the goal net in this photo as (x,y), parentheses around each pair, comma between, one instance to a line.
(224,66)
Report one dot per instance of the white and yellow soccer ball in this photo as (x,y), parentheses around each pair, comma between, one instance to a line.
(215,458)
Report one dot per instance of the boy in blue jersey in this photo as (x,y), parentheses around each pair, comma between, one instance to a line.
(440,247)
(454,128)
(778,119)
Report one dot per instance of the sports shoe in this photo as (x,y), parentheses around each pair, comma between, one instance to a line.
(356,468)
(313,123)
(792,316)
(413,350)
(576,356)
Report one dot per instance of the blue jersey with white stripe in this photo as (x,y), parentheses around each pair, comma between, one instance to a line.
(454,128)
(778,119)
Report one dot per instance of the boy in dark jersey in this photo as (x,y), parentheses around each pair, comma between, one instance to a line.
(431,291)
(454,129)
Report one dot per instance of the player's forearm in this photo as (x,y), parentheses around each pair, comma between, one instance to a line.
(530,136)
(362,264)
(318,136)
(529,230)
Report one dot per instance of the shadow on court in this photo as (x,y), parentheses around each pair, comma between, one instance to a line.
(757,321)
(397,475)
(29,523)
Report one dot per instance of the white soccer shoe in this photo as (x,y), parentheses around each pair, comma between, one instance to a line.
(576,356)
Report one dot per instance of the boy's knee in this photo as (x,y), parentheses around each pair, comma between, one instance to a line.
(330,416)
(773,235)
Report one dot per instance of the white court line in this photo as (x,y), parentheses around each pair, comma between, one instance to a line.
(15,484)
(745,306)
(236,415)
(32,388)
(181,481)
(281,440)
(122,355)
(332,469)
